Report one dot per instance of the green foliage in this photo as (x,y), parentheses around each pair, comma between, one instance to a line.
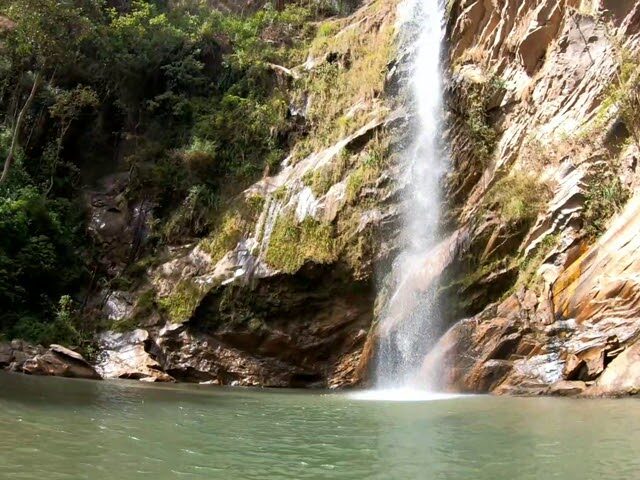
(293,243)
(605,196)
(225,236)
(182,302)
(354,71)
(48,33)
(267,36)
(39,260)
(62,329)
(327,29)
(194,216)
(249,128)
(482,134)
(622,96)
(369,169)
(231,226)
(320,180)
(357,246)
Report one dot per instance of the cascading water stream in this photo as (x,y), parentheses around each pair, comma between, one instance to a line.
(409,323)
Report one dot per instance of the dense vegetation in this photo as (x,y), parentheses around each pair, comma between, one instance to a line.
(189,101)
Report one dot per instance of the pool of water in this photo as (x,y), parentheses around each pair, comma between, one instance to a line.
(52,428)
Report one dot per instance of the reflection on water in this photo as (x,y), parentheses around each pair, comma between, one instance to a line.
(69,429)
(400,395)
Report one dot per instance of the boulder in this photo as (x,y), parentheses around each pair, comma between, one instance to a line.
(60,362)
(622,375)
(6,354)
(566,388)
(586,365)
(13,355)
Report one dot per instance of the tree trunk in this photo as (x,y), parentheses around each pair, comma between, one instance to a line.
(16,130)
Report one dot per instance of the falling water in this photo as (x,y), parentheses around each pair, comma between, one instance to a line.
(409,321)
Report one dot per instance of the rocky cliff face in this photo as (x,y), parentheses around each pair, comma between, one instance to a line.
(537,267)
(546,275)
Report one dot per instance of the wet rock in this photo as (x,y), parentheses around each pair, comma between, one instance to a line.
(566,388)
(119,227)
(124,355)
(18,352)
(6,354)
(118,305)
(194,357)
(486,376)
(22,357)
(475,355)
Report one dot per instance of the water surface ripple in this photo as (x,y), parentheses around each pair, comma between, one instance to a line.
(53,428)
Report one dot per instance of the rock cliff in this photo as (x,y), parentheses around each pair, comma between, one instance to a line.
(540,188)
(537,268)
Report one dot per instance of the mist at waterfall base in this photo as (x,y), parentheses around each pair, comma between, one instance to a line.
(409,322)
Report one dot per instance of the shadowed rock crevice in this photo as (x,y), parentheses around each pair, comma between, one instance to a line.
(308,321)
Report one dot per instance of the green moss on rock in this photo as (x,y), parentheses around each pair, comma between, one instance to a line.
(322,179)
(233,225)
(182,302)
(293,243)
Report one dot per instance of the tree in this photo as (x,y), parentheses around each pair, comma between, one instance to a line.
(47,36)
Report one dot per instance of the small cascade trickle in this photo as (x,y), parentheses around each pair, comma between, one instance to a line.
(307,204)
(265,229)
(409,322)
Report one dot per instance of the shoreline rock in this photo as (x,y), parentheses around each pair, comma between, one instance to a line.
(58,361)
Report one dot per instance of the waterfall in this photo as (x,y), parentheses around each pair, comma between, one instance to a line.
(409,322)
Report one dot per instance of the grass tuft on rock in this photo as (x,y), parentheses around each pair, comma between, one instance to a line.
(518,199)
(232,226)
(605,196)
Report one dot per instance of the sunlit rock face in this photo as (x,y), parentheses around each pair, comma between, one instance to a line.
(312,338)
(557,312)
(124,355)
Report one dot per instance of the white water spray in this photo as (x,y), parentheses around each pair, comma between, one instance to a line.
(410,320)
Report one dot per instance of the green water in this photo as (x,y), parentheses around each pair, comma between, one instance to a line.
(69,429)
